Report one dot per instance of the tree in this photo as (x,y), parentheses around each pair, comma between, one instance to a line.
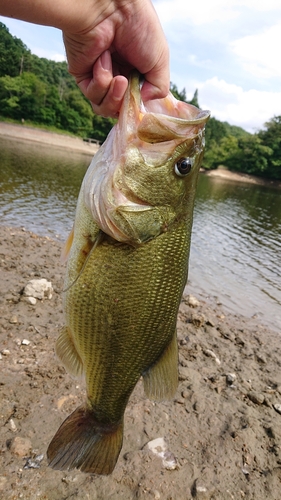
(12,50)
(271,137)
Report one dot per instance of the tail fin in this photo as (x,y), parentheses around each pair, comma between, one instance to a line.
(83,443)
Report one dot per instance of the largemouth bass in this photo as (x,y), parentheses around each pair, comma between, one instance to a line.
(127,268)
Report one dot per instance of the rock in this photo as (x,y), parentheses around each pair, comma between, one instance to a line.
(211,321)
(20,446)
(159,447)
(226,333)
(209,352)
(261,358)
(12,425)
(198,319)
(13,320)
(277,407)
(34,463)
(183,373)
(192,301)
(25,342)
(30,300)
(256,397)
(230,378)
(5,352)
(39,289)
(199,491)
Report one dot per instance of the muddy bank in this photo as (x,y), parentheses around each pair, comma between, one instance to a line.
(35,135)
(223,428)
(224,173)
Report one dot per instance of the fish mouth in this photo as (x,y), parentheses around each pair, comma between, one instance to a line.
(160,120)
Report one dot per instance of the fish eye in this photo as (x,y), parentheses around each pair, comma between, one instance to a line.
(183,166)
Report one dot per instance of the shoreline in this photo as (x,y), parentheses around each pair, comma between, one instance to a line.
(224,173)
(32,134)
(65,142)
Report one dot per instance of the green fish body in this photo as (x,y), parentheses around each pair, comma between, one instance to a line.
(127,268)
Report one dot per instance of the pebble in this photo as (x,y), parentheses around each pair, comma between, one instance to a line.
(226,333)
(25,342)
(192,301)
(183,373)
(159,447)
(256,397)
(230,378)
(39,289)
(20,446)
(210,353)
(261,358)
(198,320)
(30,300)
(12,425)
(13,320)
(200,491)
(5,352)
(277,407)
(211,322)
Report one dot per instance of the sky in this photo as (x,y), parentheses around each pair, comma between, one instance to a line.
(228,50)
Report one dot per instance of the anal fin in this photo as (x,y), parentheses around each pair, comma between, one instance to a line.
(161,380)
(83,443)
(67,353)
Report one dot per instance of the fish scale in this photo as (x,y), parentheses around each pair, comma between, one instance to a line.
(127,268)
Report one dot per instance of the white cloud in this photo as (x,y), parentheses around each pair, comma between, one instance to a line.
(48,54)
(260,53)
(228,102)
(206,12)
(199,12)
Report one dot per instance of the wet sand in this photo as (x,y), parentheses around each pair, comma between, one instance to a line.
(222,429)
(61,141)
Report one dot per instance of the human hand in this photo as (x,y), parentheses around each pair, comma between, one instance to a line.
(127,34)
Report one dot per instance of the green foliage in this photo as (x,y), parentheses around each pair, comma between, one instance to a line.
(101,127)
(271,137)
(181,96)
(11,52)
(38,90)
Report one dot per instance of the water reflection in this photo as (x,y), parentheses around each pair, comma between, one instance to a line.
(236,239)
(236,247)
(39,186)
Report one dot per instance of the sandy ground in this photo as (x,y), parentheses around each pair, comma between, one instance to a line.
(223,428)
(223,173)
(62,141)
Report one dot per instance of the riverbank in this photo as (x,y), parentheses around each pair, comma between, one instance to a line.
(65,142)
(223,428)
(36,135)
(224,173)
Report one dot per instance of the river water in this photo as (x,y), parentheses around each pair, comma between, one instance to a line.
(236,240)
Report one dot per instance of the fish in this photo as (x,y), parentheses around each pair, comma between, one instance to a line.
(127,265)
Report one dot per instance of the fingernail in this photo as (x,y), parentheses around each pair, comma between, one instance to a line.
(105,60)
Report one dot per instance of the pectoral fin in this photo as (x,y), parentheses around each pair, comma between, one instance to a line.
(67,353)
(161,380)
(67,246)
